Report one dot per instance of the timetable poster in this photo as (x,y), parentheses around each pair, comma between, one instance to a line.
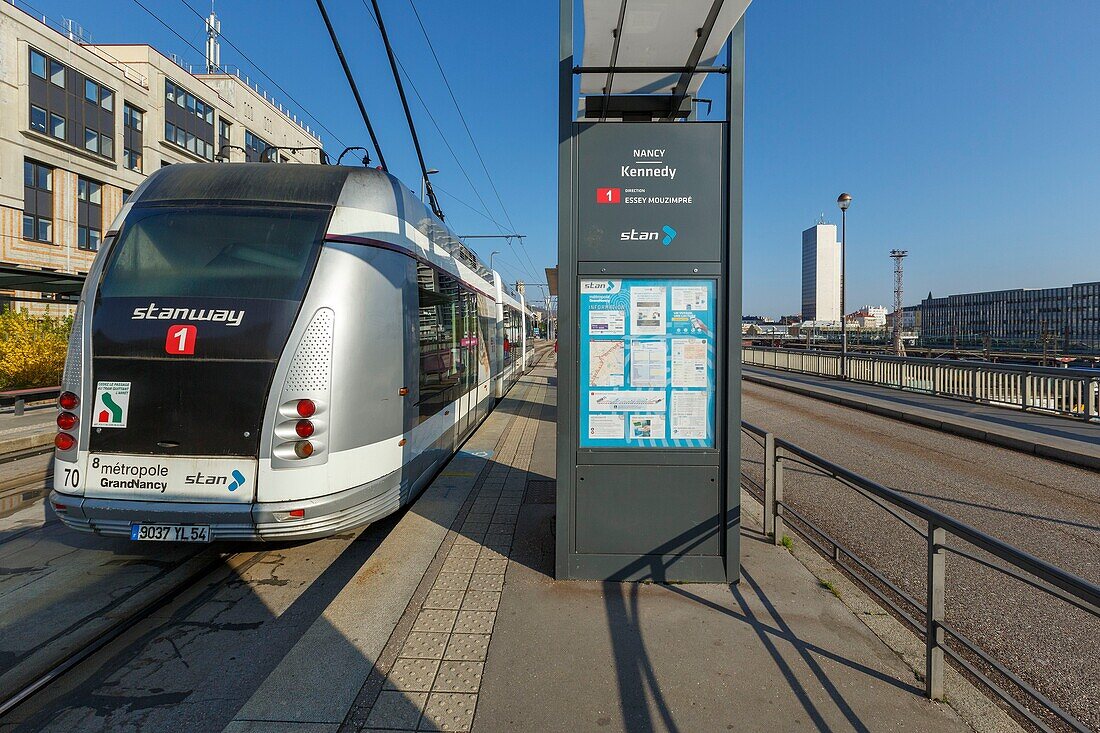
(647,363)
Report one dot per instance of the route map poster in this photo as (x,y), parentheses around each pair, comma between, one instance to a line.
(647,363)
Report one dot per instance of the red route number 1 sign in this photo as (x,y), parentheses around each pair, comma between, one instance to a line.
(180,339)
(609,195)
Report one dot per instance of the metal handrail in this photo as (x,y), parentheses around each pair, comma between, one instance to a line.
(1044,576)
(1067,392)
(997,366)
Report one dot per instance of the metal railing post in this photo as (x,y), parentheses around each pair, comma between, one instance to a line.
(974,384)
(934,616)
(1024,379)
(769,482)
(777,491)
(1088,383)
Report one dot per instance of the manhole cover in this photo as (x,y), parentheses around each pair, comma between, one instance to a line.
(541,492)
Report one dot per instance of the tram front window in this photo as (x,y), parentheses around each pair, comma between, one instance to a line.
(225,252)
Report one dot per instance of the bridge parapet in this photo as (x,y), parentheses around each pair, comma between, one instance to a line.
(1071,393)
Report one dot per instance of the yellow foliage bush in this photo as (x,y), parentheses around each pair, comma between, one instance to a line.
(32,349)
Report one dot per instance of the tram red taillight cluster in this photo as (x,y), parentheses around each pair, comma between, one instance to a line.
(301,423)
(66,420)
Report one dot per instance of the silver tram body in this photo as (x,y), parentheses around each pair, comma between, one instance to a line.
(232,302)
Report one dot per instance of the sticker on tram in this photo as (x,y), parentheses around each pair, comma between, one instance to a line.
(180,339)
(112,403)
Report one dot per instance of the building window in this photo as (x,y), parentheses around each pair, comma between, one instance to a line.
(89,191)
(57,126)
(223,128)
(254,146)
(131,159)
(63,114)
(38,64)
(126,195)
(89,213)
(191,126)
(38,119)
(132,117)
(57,73)
(88,238)
(37,201)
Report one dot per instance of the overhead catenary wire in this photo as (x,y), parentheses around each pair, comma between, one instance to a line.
(351,82)
(269,78)
(405,106)
(435,123)
(469,133)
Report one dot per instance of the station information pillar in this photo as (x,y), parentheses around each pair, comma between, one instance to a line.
(649,349)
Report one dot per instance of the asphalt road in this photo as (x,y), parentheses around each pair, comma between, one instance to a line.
(1048,509)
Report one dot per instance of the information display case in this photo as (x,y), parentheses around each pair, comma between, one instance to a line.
(647,363)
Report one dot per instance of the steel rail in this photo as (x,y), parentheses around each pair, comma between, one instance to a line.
(18,455)
(161,599)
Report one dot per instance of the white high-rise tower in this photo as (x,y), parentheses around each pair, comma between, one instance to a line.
(820,274)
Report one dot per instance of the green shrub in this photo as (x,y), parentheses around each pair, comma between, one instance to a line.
(32,349)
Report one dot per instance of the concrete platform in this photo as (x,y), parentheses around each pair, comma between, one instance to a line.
(1063,439)
(455,623)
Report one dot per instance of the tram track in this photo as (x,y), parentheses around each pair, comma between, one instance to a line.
(124,614)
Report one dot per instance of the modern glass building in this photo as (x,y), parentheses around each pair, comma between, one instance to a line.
(1066,319)
(820,274)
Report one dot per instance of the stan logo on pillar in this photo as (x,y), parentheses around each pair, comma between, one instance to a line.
(666,235)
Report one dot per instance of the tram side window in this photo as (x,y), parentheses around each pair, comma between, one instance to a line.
(443,353)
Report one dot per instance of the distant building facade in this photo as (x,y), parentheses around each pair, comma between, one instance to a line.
(910,319)
(84,124)
(869,316)
(820,274)
(1067,318)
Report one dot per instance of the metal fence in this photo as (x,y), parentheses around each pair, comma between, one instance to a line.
(1067,392)
(926,616)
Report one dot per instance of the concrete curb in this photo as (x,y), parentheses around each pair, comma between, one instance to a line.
(26,442)
(936,423)
(977,710)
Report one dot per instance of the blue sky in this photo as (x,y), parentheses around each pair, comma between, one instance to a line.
(966,131)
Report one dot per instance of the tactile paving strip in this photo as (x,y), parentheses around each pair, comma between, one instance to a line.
(435,679)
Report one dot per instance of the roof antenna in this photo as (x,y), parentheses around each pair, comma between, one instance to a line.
(213,48)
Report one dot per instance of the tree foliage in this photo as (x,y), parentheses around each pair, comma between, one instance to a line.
(32,349)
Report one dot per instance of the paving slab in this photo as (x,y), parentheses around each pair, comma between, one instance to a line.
(463,628)
(1060,438)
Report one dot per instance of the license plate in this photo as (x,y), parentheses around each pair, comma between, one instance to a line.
(170,532)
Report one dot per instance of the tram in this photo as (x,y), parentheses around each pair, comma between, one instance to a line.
(274,352)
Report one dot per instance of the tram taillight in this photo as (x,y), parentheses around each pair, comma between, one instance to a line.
(64,441)
(304,428)
(303,449)
(306,408)
(66,420)
(68,400)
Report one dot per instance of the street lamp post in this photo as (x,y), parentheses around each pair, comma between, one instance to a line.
(424,181)
(844,200)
